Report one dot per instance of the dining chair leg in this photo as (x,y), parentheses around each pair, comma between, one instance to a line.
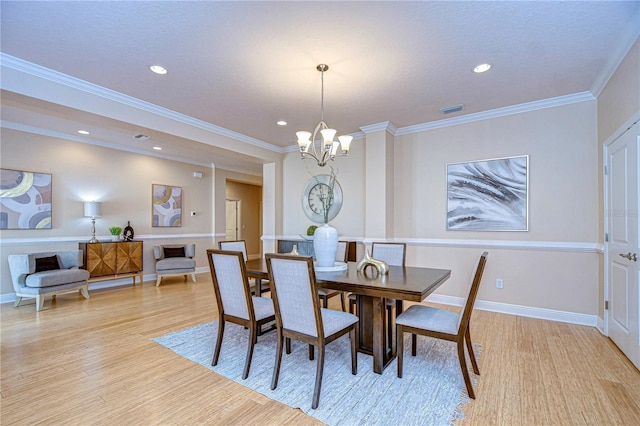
(325,302)
(342,297)
(414,344)
(400,346)
(216,353)
(465,371)
(252,341)
(310,352)
(288,345)
(319,370)
(352,306)
(389,310)
(353,334)
(276,368)
(472,355)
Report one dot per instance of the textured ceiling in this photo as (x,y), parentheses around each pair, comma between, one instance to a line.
(244,65)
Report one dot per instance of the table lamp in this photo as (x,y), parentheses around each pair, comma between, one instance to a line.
(93,209)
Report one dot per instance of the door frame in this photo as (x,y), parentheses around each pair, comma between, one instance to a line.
(605,195)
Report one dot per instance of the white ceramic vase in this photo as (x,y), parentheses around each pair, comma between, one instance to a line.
(325,245)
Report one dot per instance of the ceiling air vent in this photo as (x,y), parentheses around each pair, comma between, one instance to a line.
(141,137)
(449,110)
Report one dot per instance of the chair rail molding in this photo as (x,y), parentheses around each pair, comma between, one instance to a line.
(103,238)
(563,246)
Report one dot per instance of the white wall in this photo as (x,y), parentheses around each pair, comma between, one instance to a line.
(618,103)
(121,181)
(553,266)
(563,205)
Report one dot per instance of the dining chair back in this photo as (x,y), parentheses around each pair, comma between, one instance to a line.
(234,300)
(241,245)
(393,254)
(300,317)
(236,245)
(444,324)
(341,253)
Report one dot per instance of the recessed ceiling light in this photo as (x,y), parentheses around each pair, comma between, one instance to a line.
(281,123)
(83,132)
(157,148)
(158,69)
(482,68)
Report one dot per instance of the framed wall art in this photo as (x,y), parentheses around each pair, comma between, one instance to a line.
(25,200)
(166,205)
(488,195)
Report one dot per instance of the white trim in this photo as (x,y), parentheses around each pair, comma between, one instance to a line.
(499,112)
(628,38)
(600,325)
(385,125)
(84,239)
(78,84)
(520,310)
(563,246)
(622,129)
(59,135)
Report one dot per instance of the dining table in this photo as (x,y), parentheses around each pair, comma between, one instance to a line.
(372,290)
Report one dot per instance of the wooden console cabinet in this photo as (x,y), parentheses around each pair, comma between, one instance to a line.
(109,261)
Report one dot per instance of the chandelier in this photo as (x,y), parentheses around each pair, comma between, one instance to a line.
(325,149)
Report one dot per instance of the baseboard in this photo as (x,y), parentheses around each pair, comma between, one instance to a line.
(503,308)
(600,326)
(523,311)
(100,285)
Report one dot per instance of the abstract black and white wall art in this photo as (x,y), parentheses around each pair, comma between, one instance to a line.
(488,195)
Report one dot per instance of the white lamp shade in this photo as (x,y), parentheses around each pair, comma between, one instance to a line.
(334,148)
(345,142)
(327,135)
(303,140)
(92,209)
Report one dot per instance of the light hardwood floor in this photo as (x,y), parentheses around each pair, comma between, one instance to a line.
(81,362)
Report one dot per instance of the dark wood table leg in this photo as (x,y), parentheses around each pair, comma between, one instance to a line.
(372,331)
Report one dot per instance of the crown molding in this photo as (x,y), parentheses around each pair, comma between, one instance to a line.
(499,112)
(385,125)
(56,77)
(72,137)
(628,38)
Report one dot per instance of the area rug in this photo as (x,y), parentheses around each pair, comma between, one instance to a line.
(431,391)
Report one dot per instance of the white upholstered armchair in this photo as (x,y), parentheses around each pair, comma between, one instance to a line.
(36,275)
(175,259)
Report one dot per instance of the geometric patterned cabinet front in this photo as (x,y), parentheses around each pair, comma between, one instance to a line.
(108,261)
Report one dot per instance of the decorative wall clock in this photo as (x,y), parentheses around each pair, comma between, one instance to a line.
(322,192)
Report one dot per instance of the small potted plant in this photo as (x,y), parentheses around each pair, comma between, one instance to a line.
(115,232)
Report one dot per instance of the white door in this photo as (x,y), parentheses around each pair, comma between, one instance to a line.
(232,221)
(622,249)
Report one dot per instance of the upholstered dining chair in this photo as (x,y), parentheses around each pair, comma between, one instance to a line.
(241,245)
(175,259)
(341,253)
(235,303)
(443,324)
(393,254)
(300,317)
